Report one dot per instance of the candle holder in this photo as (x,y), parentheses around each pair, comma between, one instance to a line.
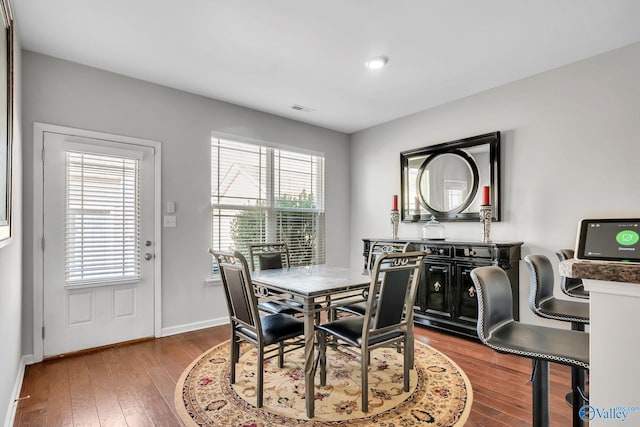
(485,218)
(395,220)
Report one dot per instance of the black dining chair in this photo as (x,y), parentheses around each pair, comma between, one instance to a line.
(270,256)
(246,323)
(387,323)
(500,331)
(571,286)
(376,249)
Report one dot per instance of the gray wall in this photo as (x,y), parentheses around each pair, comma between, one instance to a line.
(570,144)
(10,272)
(68,94)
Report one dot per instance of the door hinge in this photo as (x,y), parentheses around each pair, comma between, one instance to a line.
(42,242)
(43,154)
(43,332)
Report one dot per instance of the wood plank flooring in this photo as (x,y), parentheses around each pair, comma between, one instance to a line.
(133,385)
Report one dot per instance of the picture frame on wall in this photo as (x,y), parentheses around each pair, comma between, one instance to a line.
(6,121)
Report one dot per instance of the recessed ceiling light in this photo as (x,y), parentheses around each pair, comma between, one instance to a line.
(376,62)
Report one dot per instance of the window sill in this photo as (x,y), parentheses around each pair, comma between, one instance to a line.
(213,281)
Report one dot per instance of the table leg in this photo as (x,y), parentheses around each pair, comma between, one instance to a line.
(309,338)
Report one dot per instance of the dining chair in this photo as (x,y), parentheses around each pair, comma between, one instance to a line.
(269,256)
(246,323)
(387,323)
(376,249)
(571,286)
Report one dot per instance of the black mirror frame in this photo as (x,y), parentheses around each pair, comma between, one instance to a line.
(491,139)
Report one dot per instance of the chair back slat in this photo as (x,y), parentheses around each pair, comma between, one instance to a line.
(392,297)
(238,295)
(269,255)
(394,283)
(238,288)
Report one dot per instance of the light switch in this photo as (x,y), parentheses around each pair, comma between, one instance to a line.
(171,207)
(170,221)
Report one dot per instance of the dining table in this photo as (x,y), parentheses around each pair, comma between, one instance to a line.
(317,288)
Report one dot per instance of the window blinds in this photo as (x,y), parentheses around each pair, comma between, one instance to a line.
(102,218)
(263,194)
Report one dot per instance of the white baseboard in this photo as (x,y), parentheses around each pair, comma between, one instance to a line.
(173,330)
(15,393)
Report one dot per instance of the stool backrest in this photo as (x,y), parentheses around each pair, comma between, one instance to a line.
(495,306)
(541,280)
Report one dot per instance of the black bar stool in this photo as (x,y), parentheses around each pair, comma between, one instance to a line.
(544,304)
(572,287)
(498,330)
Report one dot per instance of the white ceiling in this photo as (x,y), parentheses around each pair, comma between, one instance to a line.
(271,54)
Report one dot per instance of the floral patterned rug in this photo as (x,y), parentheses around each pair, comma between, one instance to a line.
(439,395)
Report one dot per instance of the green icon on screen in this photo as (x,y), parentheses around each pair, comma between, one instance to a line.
(627,237)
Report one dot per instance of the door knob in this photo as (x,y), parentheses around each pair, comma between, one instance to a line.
(148,256)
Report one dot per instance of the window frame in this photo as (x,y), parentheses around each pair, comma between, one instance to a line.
(271,209)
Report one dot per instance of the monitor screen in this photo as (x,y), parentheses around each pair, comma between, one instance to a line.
(609,240)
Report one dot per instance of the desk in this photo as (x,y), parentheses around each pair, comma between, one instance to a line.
(318,284)
(614,374)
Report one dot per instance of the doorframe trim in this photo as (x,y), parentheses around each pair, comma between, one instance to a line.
(39,130)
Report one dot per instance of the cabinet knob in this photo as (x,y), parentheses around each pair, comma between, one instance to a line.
(441,251)
(437,286)
(472,292)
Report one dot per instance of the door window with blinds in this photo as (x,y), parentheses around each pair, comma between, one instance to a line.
(261,194)
(102,218)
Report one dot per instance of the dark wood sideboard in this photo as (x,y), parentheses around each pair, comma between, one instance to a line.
(446,296)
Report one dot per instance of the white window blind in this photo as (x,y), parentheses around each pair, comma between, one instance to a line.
(102,217)
(262,194)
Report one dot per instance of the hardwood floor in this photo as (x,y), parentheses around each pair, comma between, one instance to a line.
(134,384)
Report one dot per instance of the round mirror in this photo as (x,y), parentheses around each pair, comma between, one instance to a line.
(447,182)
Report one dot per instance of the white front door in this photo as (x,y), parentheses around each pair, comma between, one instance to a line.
(98,285)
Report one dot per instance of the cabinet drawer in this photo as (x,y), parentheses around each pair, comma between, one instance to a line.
(479,252)
(436,250)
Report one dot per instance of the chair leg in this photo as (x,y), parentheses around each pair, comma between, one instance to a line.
(281,355)
(260,376)
(322,350)
(234,349)
(364,372)
(406,365)
(578,385)
(540,393)
(578,381)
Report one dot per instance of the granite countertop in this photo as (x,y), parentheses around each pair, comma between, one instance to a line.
(601,270)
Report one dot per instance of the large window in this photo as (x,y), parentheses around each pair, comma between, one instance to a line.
(264,194)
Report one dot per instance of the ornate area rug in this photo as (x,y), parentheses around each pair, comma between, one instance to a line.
(439,395)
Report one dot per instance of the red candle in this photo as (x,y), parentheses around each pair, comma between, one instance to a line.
(395,202)
(485,195)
